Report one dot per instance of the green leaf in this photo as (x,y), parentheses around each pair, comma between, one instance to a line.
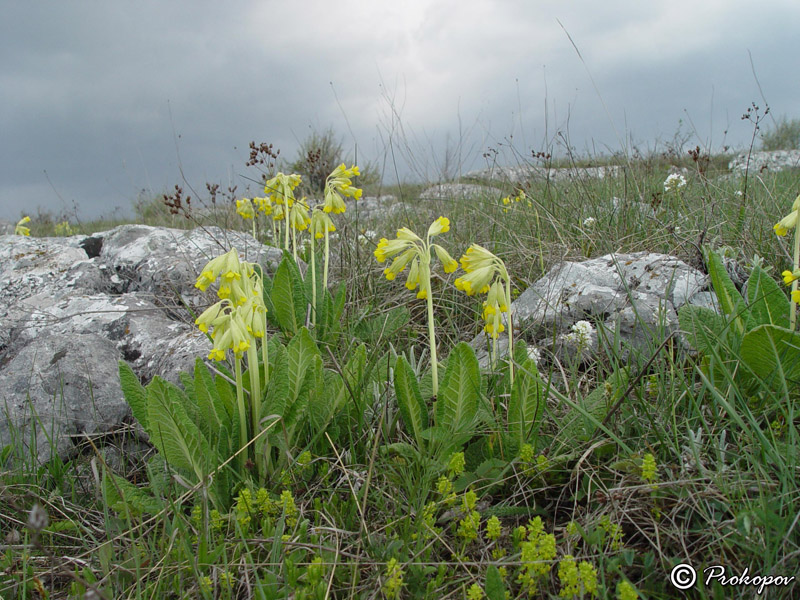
(282,297)
(124,497)
(730,300)
(321,403)
(278,388)
(705,329)
(495,589)
(768,302)
(526,405)
(373,328)
(213,416)
(301,353)
(409,400)
(135,394)
(771,351)
(173,432)
(582,420)
(459,390)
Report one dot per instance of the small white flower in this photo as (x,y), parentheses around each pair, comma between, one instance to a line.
(589,222)
(677,229)
(534,354)
(674,182)
(580,333)
(739,193)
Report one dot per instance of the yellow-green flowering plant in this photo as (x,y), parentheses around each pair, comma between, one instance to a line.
(244,209)
(790,277)
(280,191)
(20,229)
(409,249)
(487,274)
(758,331)
(235,323)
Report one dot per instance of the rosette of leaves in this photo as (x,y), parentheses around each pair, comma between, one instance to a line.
(751,337)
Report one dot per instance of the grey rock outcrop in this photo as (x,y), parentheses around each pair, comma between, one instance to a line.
(631,301)
(72,307)
(774,162)
(459,191)
(530,172)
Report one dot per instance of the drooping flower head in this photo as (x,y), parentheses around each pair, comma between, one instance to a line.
(263,204)
(409,248)
(239,316)
(339,185)
(245,208)
(20,229)
(280,188)
(320,223)
(298,215)
(481,267)
(788,222)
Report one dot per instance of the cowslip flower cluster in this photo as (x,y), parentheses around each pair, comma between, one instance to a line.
(234,323)
(63,229)
(487,274)
(508,201)
(339,185)
(782,227)
(409,249)
(240,313)
(20,229)
(674,182)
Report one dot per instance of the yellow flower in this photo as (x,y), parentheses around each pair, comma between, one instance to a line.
(783,226)
(339,184)
(281,188)
(796,296)
(264,205)
(399,263)
(448,262)
(476,281)
(213,316)
(20,229)
(789,276)
(245,208)
(477,257)
(298,216)
(228,262)
(278,212)
(320,222)
(387,249)
(440,225)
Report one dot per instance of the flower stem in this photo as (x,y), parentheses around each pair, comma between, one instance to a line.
(510,333)
(242,413)
(795,266)
(432,339)
(313,282)
(327,255)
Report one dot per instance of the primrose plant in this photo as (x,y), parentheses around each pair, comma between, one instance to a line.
(407,248)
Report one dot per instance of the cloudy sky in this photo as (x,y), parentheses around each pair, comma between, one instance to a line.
(101,102)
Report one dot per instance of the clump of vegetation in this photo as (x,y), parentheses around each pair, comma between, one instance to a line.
(783,135)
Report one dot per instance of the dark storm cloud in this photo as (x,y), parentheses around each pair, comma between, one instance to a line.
(113,98)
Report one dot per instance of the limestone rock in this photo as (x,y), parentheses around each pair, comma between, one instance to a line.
(631,300)
(773,162)
(459,191)
(73,307)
